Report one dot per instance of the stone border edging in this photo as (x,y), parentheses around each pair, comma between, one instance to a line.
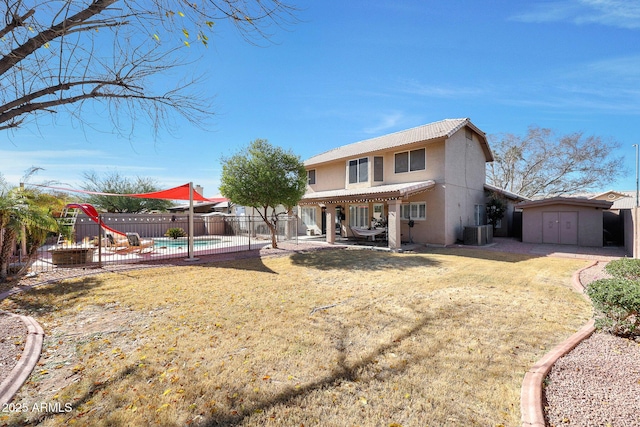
(30,355)
(531,406)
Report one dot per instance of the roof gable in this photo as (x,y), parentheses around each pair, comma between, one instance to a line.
(432,131)
(610,195)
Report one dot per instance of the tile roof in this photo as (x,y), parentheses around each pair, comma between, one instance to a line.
(390,191)
(431,131)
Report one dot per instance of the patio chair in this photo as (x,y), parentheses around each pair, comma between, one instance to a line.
(136,244)
(116,243)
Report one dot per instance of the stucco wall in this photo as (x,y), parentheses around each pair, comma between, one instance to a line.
(631,243)
(331,176)
(464,184)
(589,223)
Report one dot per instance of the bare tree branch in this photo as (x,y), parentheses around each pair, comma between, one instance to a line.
(541,165)
(57,55)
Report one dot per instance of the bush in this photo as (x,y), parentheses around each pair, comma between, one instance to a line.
(617,305)
(175,232)
(624,268)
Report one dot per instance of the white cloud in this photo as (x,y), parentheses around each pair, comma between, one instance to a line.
(627,68)
(613,13)
(386,122)
(67,166)
(440,91)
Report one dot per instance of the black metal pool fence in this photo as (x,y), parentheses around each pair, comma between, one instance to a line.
(146,239)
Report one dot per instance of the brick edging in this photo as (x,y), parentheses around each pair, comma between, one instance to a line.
(531,406)
(30,355)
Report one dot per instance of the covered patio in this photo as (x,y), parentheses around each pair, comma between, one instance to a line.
(359,207)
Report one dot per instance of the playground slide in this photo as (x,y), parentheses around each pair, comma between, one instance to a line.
(92,213)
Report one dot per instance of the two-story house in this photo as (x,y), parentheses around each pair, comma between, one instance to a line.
(425,184)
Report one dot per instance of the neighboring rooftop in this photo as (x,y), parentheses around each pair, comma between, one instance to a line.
(505,193)
(432,131)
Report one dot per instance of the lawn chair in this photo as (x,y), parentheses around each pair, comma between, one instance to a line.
(136,244)
(116,243)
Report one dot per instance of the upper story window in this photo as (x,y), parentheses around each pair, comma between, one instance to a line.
(409,161)
(311,176)
(378,170)
(359,170)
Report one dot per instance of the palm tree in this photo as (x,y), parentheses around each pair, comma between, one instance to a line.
(24,213)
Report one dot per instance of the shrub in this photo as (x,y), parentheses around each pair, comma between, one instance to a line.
(175,232)
(624,268)
(617,305)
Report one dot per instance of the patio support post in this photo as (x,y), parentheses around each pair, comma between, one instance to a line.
(330,213)
(393,223)
(191,231)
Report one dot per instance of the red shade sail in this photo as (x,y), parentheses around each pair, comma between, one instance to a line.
(176,193)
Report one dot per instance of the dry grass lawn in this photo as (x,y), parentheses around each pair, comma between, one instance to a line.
(331,338)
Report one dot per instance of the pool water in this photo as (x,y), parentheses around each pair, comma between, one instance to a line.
(184,242)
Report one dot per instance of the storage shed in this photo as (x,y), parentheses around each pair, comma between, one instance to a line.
(564,221)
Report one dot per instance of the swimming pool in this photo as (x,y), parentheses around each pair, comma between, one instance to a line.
(183,242)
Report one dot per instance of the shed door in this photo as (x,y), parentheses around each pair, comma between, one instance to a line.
(568,228)
(550,227)
(560,227)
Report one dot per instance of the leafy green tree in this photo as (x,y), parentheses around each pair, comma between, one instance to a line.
(496,207)
(113,182)
(24,213)
(540,164)
(263,177)
(70,55)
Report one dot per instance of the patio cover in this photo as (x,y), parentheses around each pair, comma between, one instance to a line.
(377,193)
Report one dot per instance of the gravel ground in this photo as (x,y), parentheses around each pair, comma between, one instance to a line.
(598,382)
(13,333)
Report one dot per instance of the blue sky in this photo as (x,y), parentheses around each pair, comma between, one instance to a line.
(352,70)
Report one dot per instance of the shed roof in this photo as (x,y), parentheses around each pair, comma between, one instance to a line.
(572,201)
(429,132)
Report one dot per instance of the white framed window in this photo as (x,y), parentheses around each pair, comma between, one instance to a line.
(311,176)
(359,170)
(359,215)
(308,216)
(414,211)
(409,161)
